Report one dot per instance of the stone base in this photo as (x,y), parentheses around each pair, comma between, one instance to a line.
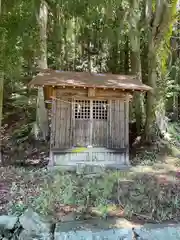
(111,231)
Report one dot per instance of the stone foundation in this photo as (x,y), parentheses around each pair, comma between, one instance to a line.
(31,226)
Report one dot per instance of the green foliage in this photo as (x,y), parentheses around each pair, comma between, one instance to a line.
(146,158)
(144,194)
(174,132)
(22,133)
(72,189)
(17,208)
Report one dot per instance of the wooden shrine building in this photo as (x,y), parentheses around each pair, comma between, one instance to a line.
(90,116)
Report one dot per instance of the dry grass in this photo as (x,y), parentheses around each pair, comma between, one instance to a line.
(148,192)
(18,186)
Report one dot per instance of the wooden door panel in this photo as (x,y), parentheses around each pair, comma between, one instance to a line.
(82,123)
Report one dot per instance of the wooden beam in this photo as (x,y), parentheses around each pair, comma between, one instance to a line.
(93,93)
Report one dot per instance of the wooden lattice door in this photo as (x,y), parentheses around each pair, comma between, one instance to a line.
(90,123)
(99,123)
(82,123)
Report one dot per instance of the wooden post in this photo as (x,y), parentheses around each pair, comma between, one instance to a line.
(91,121)
(72,121)
(126,128)
(109,142)
(53,110)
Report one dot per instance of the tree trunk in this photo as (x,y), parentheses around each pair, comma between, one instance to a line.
(126,68)
(157,28)
(65,43)
(42,113)
(1,103)
(175,101)
(57,37)
(150,103)
(89,58)
(138,98)
(176,56)
(135,36)
(1,112)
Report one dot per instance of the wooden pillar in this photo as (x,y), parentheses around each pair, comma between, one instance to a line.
(126,128)
(53,124)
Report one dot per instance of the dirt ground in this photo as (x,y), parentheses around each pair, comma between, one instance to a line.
(19,185)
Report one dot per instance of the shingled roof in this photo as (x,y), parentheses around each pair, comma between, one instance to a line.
(50,77)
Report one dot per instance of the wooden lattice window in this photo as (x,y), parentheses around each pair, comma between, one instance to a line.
(100,110)
(90,109)
(82,109)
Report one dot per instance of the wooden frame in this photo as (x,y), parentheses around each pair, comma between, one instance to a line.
(113,131)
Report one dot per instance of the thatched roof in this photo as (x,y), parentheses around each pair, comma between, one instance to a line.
(85,79)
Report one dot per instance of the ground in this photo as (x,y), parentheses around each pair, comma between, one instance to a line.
(149,191)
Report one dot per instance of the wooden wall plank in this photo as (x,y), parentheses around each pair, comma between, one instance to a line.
(53,124)
(58,123)
(126,121)
(116,124)
(122,124)
(63,138)
(99,138)
(53,121)
(82,133)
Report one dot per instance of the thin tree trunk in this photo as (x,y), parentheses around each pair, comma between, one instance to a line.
(126,57)
(175,101)
(1,111)
(144,63)
(150,103)
(66,64)
(134,36)
(57,37)
(176,55)
(1,101)
(42,113)
(89,57)
(75,42)
(138,98)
